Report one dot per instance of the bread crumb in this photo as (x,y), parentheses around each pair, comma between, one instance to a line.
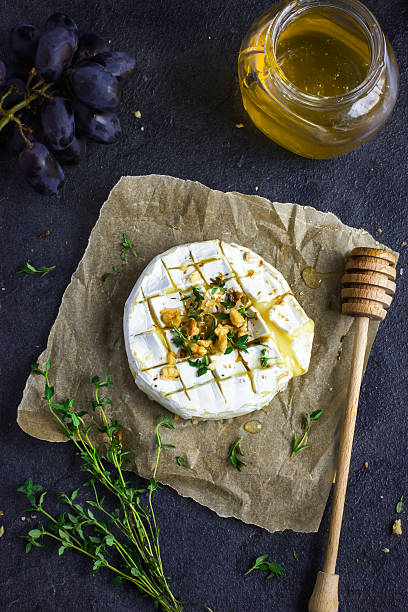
(386,550)
(256,188)
(396,528)
(404,243)
(137,114)
(379,230)
(239,125)
(366,464)
(1,530)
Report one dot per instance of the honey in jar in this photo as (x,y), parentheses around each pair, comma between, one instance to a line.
(318,77)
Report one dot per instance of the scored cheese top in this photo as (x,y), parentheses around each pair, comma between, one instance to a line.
(213,331)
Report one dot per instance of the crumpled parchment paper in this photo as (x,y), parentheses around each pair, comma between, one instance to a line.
(274,490)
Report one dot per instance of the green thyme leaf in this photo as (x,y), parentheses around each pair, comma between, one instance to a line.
(201,365)
(264,359)
(181,461)
(115,270)
(244,313)
(261,564)
(295,555)
(218,284)
(300,444)
(400,505)
(30,269)
(127,245)
(234,451)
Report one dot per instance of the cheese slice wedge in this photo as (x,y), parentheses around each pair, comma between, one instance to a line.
(212,331)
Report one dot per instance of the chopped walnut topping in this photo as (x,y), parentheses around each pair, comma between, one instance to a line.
(236,318)
(183,353)
(221,344)
(171,358)
(195,277)
(251,272)
(196,349)
(191,328)
(247,256)
(396,528)
(171,316)
(204,343)
(169,372)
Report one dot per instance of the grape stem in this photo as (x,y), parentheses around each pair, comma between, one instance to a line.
(9,115)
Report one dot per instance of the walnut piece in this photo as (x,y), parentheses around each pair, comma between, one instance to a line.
(194,277)
(169,372)
(196,349)
(171,316)
(236,318)
(191,328)
(396,528)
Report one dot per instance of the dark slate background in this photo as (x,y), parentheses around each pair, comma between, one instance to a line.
(186,89)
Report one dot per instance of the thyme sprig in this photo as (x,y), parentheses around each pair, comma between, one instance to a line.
(115,270)
(237,342)
(263,565)
(125,540)
(234,451)
(201,365)
(127,245)
(265,359)
(181,339)
(30,269)
(300,444)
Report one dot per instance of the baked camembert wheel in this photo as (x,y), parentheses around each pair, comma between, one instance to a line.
(212,331)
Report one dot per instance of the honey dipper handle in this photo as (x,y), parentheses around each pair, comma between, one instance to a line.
(324,597)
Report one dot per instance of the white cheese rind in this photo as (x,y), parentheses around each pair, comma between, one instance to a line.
(235,384)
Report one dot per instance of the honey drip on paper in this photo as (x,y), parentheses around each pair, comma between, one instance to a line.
(311,278)
(253,427)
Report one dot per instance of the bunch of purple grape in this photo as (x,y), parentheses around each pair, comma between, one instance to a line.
(62,87)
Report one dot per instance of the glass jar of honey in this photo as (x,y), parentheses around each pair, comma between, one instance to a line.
(318,76)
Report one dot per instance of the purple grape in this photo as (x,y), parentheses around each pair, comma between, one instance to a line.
(41,170)
(73,152)
(59,20)
(3,73)
(102,126)
(119,65)
(24,41)
(17,95)
(90,44)
(54,53)
(58,123)
(94,86)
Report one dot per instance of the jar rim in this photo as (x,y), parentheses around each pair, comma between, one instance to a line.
(356,10)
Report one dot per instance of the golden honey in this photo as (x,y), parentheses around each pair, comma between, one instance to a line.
(318,77)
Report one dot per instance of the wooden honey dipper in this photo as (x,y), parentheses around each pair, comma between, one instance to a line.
(367,290)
